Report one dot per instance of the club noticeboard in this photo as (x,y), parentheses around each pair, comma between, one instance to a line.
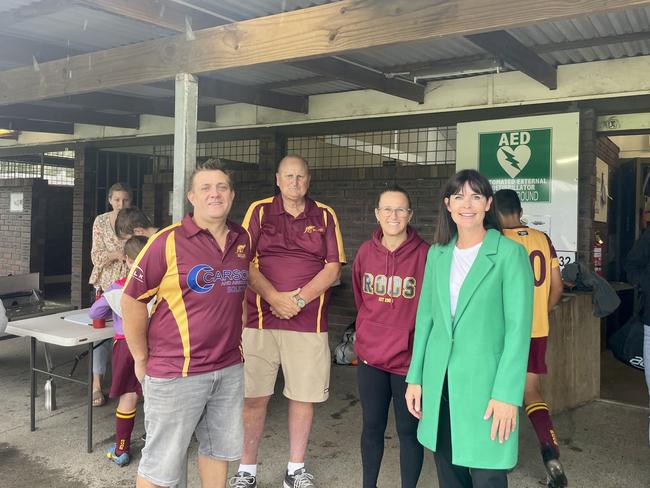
(538,158)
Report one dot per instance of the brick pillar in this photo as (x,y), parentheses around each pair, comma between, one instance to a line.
(273,147)
(83,215)
(586,183)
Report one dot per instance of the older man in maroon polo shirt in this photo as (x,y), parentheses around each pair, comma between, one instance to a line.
(299,257)
(190,349)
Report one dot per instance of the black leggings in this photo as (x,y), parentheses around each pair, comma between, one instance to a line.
(376,388)
(451,475)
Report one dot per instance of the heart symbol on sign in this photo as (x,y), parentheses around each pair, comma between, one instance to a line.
(513,160)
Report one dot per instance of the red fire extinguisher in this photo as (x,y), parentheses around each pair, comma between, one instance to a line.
(597,259)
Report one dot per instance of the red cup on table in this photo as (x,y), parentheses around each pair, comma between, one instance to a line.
(99,323)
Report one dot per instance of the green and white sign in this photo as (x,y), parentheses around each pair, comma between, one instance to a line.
(519,160)
(538,158)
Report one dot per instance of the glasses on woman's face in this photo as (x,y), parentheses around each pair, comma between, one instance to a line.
(400,212)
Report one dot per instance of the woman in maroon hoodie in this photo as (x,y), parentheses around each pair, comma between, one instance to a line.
(386,277)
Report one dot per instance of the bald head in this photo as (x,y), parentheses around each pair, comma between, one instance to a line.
(293,159)
(293,178)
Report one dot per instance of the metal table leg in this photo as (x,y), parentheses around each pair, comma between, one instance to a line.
(90,398)
(32,391)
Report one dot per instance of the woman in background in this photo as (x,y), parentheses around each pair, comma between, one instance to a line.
(107,255)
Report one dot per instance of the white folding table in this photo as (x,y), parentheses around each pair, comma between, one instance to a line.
(54,329)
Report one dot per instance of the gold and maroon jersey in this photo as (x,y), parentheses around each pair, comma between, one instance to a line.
(543,258)
(290,251)
(196,324)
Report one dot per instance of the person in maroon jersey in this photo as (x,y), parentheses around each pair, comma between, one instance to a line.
(548,292)
(386,278)
(299,253)
(188,355)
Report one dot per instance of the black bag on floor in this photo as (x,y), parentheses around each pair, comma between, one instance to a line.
(627,343)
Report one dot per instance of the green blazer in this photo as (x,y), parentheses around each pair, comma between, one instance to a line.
(484,351)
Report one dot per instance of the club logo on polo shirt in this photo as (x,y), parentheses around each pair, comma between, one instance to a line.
(241,251)
(203,277)
(312,228)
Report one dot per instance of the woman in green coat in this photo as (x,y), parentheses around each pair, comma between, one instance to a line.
(472,335)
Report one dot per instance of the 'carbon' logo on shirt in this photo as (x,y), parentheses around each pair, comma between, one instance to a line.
(203,277)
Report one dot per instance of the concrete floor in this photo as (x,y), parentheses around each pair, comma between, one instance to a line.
(603,444)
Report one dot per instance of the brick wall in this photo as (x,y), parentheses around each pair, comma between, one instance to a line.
(586,184)
(23,233)
(608,152)
(83,215)
(351,192)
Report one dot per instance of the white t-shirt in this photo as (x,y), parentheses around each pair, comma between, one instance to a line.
(461,263)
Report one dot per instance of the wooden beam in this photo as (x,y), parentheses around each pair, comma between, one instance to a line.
(134,105)
(212,88)
(33,10)
(513,52)
(36,126)
(36,112)
(159,13)
(323,30)
(364,78)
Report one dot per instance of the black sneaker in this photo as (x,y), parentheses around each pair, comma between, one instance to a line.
(300,479)
(556,477)
(243,480)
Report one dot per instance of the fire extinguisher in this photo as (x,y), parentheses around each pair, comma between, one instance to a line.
(597,259)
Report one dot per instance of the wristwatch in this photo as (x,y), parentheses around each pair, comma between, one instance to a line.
(300,301)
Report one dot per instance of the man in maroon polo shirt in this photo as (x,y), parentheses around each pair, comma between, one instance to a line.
(299,253)
(188,356)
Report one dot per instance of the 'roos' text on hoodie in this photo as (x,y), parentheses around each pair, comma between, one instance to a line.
(386,292)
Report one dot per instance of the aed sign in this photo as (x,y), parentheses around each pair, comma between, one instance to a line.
(519,160)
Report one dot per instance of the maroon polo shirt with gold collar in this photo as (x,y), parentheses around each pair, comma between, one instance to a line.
(290,251)
(196,324)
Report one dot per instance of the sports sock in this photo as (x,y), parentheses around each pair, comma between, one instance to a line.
(293,467)
(123,427)
(540,417)
(248,468)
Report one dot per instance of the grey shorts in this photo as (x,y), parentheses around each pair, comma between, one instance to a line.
(209,405)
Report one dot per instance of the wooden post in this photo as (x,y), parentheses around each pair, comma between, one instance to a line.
(186,109)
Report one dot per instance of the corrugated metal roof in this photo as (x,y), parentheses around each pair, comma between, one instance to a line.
(85,29)
(7,5)
(590,27)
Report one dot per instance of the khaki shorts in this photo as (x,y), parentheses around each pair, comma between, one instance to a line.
(304,356)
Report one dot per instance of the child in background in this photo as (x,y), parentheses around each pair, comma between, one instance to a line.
(125,385)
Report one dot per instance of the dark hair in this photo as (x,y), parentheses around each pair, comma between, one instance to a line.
(119,186)
(134,245)
(293,156)
(507,202)
(447,229)
(128,219)
(394,188)
(212,164)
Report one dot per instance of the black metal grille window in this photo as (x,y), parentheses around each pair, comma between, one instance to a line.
(54,174)
(113,167)
(431,145)
(243,151)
